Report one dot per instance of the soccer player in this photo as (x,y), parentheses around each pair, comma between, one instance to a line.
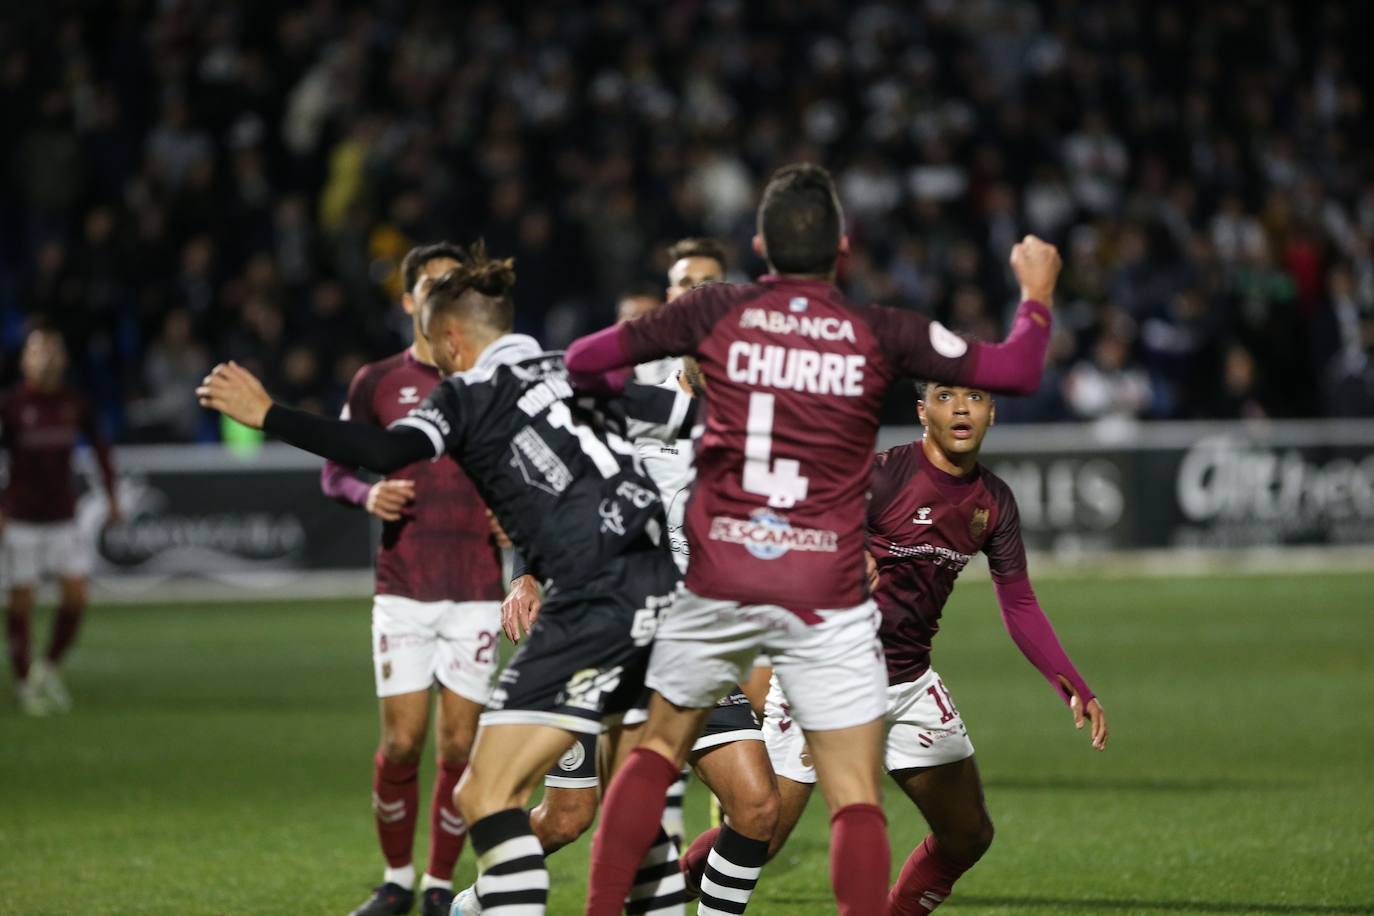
(933,507)
(796,376)
(41,419)
(563,485)
(433,624)
(727,756)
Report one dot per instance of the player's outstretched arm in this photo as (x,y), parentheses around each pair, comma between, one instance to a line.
(593,355)
(1033,634)
(237,393)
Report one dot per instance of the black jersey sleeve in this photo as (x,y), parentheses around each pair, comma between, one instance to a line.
(347,442)
(439,418)
(651,411)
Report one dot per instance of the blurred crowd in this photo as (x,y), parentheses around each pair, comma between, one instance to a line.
(190,181)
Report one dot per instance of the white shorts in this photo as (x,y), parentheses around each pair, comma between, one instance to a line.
(415,643)
(33,550)
(924,730)
(833,670)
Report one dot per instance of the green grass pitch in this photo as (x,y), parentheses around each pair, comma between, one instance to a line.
(218,761)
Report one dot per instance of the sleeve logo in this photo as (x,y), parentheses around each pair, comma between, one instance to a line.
(946,342)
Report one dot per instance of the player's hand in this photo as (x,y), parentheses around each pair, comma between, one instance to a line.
(1036,265)
(521,607)
(1093,713)
(502,539)
(387,498)
(236,393)
(871,565)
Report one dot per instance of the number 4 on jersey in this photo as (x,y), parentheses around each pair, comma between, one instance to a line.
(780,480)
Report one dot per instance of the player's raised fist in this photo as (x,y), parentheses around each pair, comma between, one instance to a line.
(1036,265)
(236,393)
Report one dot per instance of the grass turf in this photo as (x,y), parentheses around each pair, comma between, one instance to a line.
(218,761)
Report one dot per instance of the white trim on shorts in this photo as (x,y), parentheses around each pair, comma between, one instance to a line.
(706,742)
(539,717)
(572,782)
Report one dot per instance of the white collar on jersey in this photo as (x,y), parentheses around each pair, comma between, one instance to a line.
(504,350)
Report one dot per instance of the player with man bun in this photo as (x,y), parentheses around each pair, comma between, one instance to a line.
(435,626)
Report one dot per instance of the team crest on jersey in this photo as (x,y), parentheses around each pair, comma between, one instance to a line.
(409,395)
(923,517)
(978,525)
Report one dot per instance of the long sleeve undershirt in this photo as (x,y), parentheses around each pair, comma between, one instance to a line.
(1033,634)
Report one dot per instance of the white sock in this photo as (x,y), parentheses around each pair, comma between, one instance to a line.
(404,876)
(429,881)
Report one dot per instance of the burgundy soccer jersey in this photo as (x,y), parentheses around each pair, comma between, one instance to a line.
(442,548)
(796,376)
(924,526)
(39,429)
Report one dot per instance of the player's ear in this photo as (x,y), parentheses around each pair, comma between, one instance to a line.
(408,303)
(844,244)
(992,415)
(921,411)
(757,245)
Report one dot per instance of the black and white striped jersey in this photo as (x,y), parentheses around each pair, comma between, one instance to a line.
(559,471)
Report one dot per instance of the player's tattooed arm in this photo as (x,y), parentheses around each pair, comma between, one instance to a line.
(237,393)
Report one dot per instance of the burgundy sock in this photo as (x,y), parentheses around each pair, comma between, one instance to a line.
(64,629)
(630,818)
(446,828)
(926,880)
(17,637)
(860,860)
(395,798)
(694,859)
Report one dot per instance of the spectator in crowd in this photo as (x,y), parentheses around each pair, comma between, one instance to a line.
(222,177)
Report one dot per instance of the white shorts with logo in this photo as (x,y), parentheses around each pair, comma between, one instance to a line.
(33,550)
(924,730)
(416,643)
(832,670)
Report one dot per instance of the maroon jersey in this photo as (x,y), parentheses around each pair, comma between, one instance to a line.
(442,548)
(39,429)
(924,526)
(796,376)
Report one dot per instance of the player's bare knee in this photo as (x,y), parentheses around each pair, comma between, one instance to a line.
(755,813)
(970,843)
(455,749)
(402,748)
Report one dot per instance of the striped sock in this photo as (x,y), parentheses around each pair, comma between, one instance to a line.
(511,878)
(732,870)
(673,823)
(658,888)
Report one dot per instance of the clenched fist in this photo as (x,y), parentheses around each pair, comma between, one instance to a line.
(1036,265)
(236,393)
(388,498)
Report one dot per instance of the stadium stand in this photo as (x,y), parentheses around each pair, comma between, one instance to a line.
(193,181)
